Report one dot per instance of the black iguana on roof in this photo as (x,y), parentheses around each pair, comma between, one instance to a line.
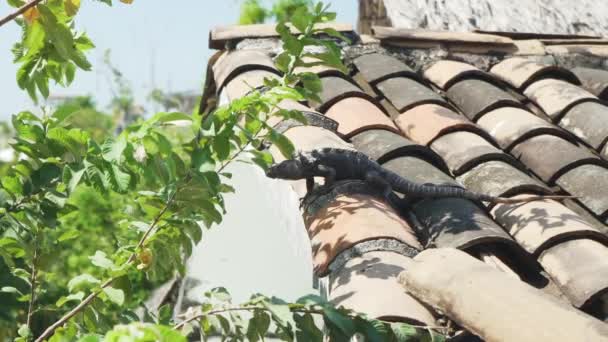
(339,164)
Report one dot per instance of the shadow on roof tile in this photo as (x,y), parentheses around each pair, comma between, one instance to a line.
(497,178)
(233,63)
(377,67)
(369,284)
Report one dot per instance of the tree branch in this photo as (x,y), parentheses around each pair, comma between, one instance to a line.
(19,12)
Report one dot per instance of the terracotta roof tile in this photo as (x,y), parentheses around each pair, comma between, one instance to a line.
(511,125)
(394,89)
(594,80)
(377,67)
(356,234)
(588,121)
(555,97)
(419,171)
(538,225)
(458,223)
(235,62)
(580,268)
(427,122)
(384,146)
(465,150)
(590,184)
(491,304)
(521,72)
(355,114)
(355,286)
(243,83)
(344,217)
(550,156)
(335,89)
(221,35)
(445,73)
(476,97)
(497,178)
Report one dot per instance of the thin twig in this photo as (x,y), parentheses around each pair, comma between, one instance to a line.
(19,12)
(30,308)
(253,308)
(47,333)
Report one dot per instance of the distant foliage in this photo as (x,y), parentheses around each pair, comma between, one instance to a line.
(91,221)
(253,12)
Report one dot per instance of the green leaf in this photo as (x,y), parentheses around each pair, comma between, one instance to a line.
(307,329)
(101,260)
(81,280)
(282,143)
(301,18)
(340,321)
(404,332)
(10,289)
(73,297)
(24,331)
(68,235)
(113,149)
(114,295)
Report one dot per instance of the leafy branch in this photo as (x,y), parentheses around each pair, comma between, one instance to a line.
(24,8)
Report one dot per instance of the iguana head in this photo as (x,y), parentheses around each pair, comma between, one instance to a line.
(288,169)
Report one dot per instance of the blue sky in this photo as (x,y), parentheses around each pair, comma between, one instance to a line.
(155,43)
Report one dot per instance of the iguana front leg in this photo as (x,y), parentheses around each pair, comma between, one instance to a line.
(327,172)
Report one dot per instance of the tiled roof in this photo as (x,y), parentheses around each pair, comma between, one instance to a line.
(500,114)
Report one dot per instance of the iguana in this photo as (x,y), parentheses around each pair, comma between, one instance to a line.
(338,164)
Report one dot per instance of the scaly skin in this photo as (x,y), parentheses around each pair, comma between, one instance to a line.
(338,164)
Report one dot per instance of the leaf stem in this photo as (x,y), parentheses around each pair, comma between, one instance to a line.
(19,11)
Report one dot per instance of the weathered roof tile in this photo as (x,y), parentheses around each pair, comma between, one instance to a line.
(458,223)
(383,146)
(464,150)
(555,97)
(476,97)
(369,284)
(491,304)
(588,121)
(235,62)
(405,93)
(355,114)
(335,89)
(445,73)
(579,267)
(538,225)
(550,156)
(521,72)
(594,80)
(344,218)
(589,183)
(511,125)
(497,178)
(377,67)
(420,171)
(427,122)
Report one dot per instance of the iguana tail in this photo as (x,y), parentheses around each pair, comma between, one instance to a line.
(406,187)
